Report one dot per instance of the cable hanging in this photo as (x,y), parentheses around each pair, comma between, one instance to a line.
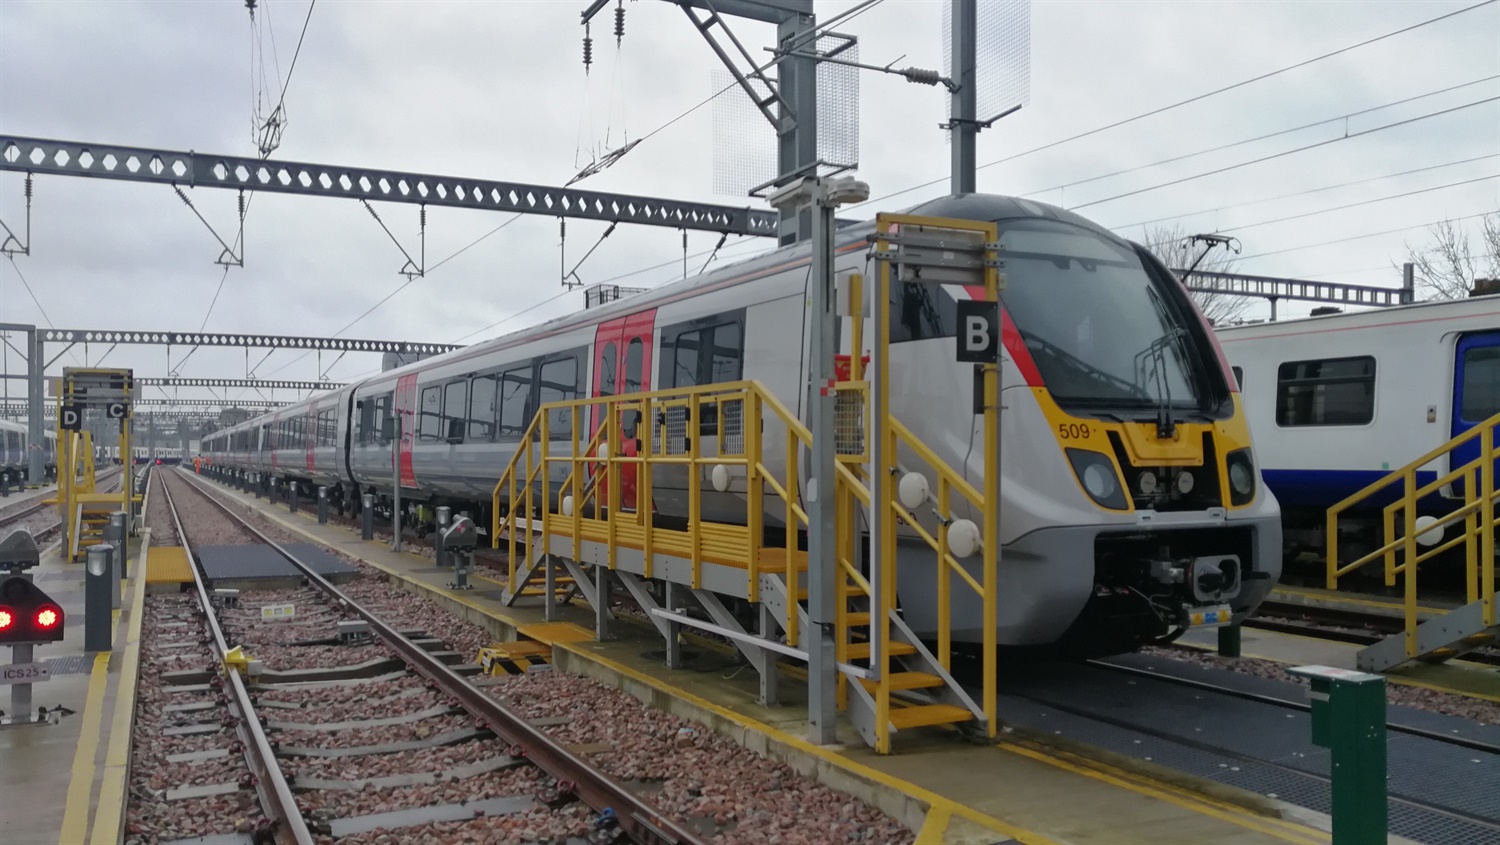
(20,248)
(412,269)
(227,257)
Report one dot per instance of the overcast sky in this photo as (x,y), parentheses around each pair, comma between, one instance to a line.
(497,90)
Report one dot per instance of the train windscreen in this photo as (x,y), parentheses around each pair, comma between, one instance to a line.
(1104,332)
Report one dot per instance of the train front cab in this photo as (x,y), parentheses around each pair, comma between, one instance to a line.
(1132,507)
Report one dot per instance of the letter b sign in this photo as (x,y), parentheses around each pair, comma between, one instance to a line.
(978,332)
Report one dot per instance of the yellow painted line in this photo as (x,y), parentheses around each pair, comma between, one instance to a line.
(81,786)
(107,822)
(935,826)
(1278,828)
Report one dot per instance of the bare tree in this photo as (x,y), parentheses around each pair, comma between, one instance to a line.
(1446,267)
(1174,246)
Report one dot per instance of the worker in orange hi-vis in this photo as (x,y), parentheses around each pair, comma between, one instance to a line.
(198,464)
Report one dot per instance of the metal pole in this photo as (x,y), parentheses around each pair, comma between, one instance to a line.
(1408,283)
(20,694)
(367,517)
(822,550)
(441,551)
(396,487)
(797,79)
(35,434)
(963,115)
(322,505)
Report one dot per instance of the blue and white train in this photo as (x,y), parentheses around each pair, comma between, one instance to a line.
(1337,401)
(15,449)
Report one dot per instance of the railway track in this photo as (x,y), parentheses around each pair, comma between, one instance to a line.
(1341,625)
(314,751)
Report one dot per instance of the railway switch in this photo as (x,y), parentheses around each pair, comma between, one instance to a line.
(1348,718)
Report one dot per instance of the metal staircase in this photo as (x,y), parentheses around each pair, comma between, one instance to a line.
(1411,539)
(578,494)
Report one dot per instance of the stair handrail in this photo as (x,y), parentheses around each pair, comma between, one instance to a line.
(1477,513)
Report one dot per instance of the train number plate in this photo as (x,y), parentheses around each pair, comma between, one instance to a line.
(25,673)
(1212,617)
(273,612)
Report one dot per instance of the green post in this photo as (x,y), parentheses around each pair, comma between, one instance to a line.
(1229,641)
(1348,718)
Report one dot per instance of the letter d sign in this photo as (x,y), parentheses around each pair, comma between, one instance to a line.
(978,332)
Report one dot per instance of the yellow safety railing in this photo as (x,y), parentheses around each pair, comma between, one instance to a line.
(1399,551)
(577,499)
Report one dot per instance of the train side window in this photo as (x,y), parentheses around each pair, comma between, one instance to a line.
(1334,391)
(366,425)
(634,356)
(430,422)
(455,408)
(557,381)
(1239,377)
(725,363)
(685,358)
(483,395)
(1481,386)
(515,399)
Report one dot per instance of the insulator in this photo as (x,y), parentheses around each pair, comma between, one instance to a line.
(28,186)
(588,50)
(922,76)
(619,22)
(424,217)
(250,4)
(242,203)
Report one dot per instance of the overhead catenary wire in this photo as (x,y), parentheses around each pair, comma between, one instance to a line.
(1396,231)
(1284,153)
(1220,148)
(1401,195)
(1188,101)
(1307,192)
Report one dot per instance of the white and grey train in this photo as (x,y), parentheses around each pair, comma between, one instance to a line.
(15,452)
(1338,401)
(1129,487)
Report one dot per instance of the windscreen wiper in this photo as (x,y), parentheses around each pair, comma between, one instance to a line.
(1130,388)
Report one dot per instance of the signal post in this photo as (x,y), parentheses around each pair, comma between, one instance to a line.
(28,617)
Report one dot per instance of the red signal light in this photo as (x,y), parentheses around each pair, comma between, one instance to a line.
(48,617)
(7,619)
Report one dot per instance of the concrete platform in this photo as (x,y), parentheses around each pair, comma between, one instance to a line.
(65,782)
(1021,789)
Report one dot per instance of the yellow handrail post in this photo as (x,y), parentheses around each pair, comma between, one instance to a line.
(546,480)
(612,483)
(695,487)
(945,578)
(992,482)
(1472,525)
(1409,524)
(643,500)
(1331,543)
(793,446)
(574,476)
(1487,539)
(755,489)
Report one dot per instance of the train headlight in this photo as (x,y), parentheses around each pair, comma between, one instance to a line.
(1096,472)
(1185,482)
(1241,476)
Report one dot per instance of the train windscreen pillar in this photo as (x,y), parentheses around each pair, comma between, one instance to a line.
(1348,718)
(98,624)
(367,516)
(322,505)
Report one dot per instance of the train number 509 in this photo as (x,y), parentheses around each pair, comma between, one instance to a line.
(1073,431)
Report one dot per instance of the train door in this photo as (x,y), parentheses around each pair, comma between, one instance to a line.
(406,407)
(1476,391)
(622,364)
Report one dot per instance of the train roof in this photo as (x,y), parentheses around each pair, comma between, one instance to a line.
(993,207)
(1430,311)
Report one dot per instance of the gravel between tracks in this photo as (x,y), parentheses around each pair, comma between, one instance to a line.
(1422,698)
(684,769)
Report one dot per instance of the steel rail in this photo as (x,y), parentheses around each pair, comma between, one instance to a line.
(1291,704)
(275,793)
(640,821)
(1314,618)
